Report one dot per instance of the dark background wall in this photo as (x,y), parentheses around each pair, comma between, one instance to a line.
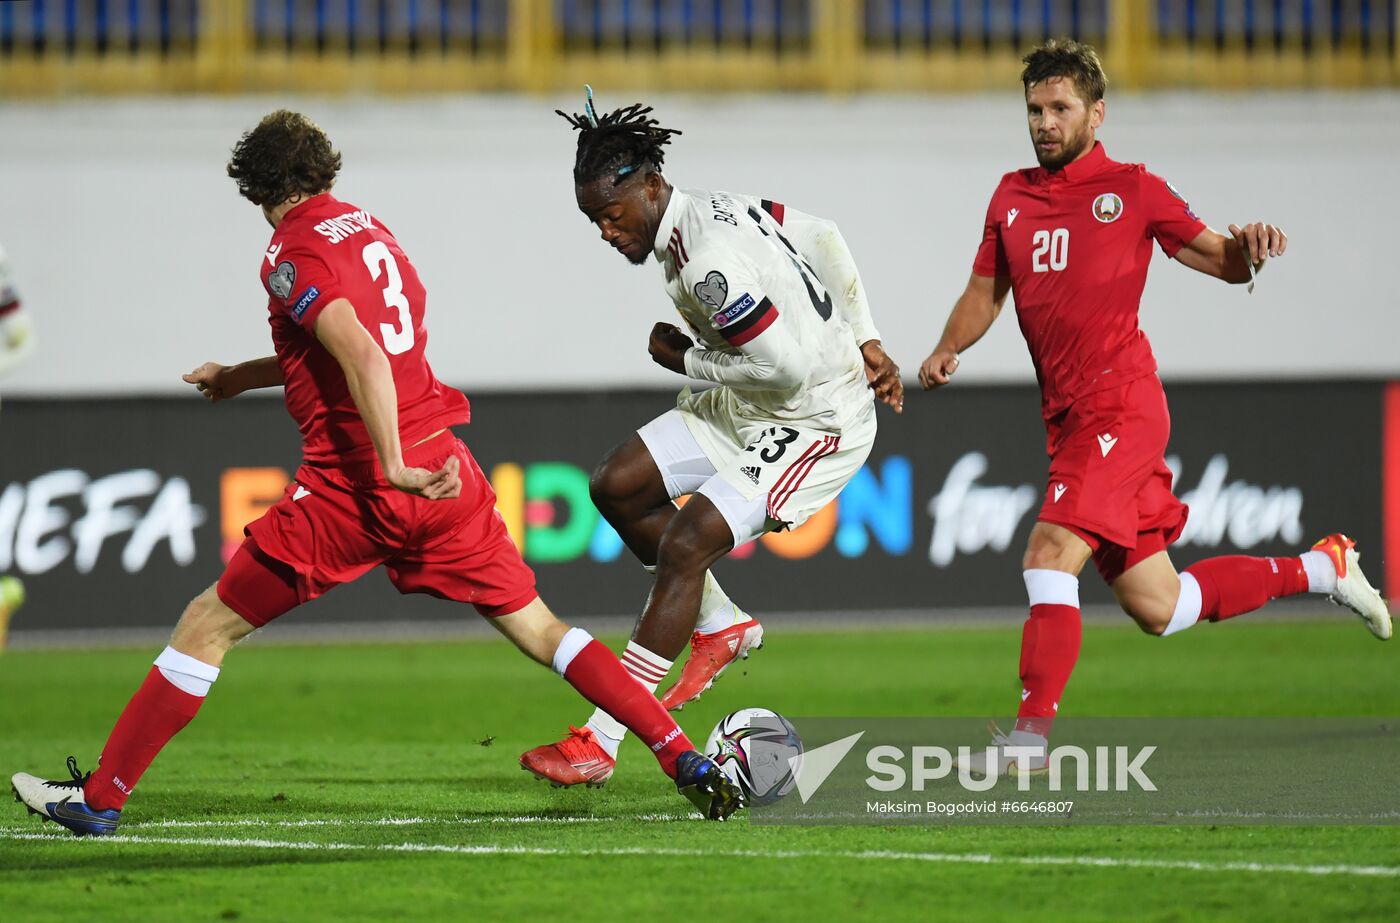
(116,512)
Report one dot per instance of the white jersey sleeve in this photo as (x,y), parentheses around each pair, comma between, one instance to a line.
(821,245)
(764,355)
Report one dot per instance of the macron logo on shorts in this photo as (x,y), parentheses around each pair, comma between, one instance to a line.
(300,492)
(1060,491)
(1106,443)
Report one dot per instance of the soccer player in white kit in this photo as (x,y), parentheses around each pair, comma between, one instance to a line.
(778,321)
(16,342)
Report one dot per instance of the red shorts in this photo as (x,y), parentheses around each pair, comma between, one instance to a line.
(1109,483)
(334,524)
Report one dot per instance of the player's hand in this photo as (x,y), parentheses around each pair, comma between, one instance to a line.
(214,382)
(938,368)
(1259,241)
(883,375)
(668,347)
(443,484)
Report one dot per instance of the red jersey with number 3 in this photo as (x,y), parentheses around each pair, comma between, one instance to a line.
(1076,244)
(322,250)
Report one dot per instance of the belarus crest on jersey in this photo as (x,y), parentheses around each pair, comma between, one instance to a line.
(1108,207)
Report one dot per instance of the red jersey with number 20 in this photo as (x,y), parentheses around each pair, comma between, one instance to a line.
(322,250)
(1076,244)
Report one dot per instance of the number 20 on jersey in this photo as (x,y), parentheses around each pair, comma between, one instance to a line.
(1051,253)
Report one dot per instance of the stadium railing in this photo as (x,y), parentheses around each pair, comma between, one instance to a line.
(53,47)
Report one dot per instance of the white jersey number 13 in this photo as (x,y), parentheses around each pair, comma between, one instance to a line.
(1051,250)
(397,339)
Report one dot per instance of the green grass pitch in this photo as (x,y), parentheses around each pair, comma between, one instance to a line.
(380,783)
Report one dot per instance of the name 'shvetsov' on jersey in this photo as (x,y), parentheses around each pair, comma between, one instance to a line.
(757,307)
(323,250)
(1076,244)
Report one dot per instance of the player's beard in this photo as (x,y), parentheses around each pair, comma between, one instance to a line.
(1071,147)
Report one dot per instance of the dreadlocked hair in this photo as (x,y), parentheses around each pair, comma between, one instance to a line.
(619,145)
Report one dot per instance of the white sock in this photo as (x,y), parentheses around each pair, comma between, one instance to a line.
(1188,606)
(185,673)
(649,669)
(1322,573)
(574,640)
(1051,587)
(717,610)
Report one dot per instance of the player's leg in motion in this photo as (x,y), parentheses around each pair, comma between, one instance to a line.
(1051,635)
(633,489)
(694,538)
(601,678)
(171,695)
(1164,602)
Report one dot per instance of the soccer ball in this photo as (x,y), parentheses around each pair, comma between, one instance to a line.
(756,747)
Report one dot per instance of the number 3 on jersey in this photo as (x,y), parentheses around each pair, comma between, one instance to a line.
(397,339)
(1051,250)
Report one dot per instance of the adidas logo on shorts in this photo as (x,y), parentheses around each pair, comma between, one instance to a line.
(750,472)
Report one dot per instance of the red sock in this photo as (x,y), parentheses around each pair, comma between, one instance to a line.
(1236,584)
(154,715)
(601,678)
(1049,649)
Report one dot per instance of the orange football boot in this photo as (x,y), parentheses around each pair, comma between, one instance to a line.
(576,760)
(710,656)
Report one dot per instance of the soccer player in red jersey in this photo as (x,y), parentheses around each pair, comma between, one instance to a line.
(1072,239)
(383,482)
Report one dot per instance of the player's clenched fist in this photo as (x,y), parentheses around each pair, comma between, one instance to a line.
(212,382)
(668,347)
(443,484)
(1260,241)
(938,369)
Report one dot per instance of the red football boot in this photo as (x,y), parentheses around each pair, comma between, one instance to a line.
(577,759)
(710,656)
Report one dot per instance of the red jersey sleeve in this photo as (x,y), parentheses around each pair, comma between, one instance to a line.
(991,254)
(302,284)
(1170,220)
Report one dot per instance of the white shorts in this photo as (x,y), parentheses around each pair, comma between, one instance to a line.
(762,476)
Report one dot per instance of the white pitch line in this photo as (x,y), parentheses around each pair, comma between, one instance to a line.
(245,822)
(1106,862)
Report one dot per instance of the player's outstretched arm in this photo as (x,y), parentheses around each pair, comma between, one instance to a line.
(221,382)
(972,317)
(371,383)
(1231,258)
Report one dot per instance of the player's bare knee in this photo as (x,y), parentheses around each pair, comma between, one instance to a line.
(1152,616)
(1048,555)
(207,623)
(609,487)
(1153,621)
(687,547)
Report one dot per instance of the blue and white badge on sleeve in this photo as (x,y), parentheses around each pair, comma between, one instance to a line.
(307,299)
(734,311)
